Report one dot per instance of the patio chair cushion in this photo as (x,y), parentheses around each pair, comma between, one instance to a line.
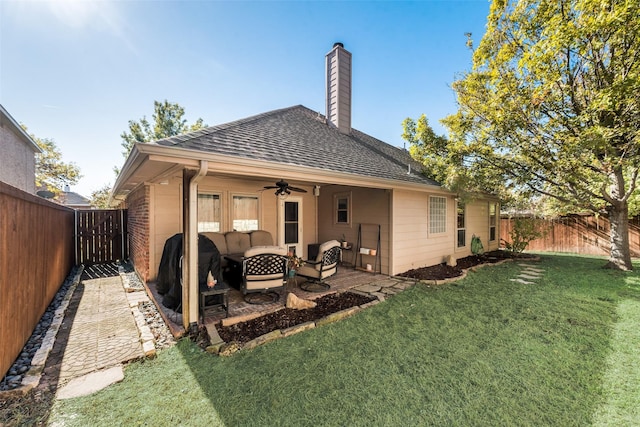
(264,267)
(323,266)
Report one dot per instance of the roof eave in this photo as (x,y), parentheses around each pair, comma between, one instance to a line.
(239,166)
(4,115)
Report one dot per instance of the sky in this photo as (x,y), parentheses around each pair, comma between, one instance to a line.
(78,71)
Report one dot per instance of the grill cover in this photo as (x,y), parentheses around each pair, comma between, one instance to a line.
(169,281)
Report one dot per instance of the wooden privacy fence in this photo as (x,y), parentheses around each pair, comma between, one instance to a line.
(36,256)
(101,236)
(581,234)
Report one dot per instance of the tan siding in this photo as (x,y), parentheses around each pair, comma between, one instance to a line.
(413,247)
(369,206)
(167,210)
(477,223)
(166,219)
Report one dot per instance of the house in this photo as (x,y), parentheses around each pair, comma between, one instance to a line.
(18,165)
(73,200)
(214,179)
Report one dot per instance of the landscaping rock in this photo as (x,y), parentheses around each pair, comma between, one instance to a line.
(298,303)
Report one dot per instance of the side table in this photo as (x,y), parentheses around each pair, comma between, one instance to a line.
(344,262)
(221,292)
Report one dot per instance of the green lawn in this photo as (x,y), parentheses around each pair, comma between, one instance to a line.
(483,351)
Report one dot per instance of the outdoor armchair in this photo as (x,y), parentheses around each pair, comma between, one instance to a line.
(264,269)
(325,265)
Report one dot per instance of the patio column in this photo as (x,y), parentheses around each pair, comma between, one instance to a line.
(190,179)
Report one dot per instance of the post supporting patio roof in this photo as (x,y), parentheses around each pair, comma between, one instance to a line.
(190,179)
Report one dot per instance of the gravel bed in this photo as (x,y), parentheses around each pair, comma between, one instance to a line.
(159,329)
(13,378)
(161,333)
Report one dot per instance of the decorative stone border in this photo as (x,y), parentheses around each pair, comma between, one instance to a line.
(32,377)
(135,295)
(221,348)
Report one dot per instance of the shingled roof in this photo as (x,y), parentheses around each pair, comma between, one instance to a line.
(299,136)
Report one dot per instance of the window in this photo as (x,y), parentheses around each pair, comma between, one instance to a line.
(437,215)
(291,222)
(209,214)
(493,220)
(462,239)
(245,213)
(342,204)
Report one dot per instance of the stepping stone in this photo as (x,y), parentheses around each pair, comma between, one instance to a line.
(369,288)
(527,276)
(524,282)
(91,383)
(528,267)
(386,283)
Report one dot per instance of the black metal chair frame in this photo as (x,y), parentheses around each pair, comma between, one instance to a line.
(263,264)
(330,256)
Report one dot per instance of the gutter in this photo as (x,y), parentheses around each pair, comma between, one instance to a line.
(190,245)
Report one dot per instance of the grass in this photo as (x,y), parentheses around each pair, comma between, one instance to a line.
(482,351)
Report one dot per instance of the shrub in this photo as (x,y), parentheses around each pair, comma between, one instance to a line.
(523,232)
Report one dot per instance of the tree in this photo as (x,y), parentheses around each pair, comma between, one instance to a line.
(551,107)
(51,172)
(167,121)
(446,165)
(100,197)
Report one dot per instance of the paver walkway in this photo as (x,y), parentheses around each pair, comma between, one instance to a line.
(101,331)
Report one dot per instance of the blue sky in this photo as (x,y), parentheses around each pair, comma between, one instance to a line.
(78,71)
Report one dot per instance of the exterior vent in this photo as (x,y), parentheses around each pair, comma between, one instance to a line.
(338,83)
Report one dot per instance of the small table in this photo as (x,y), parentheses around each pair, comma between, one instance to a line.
(221,289)
(343,262)
(235,269)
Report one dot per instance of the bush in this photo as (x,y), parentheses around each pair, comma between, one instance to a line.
(523,232)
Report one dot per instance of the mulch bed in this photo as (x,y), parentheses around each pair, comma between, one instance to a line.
(443,271)
(246,331)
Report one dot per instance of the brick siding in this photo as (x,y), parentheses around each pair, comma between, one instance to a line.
(138,222)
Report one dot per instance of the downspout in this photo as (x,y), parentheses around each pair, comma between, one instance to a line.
(190,246)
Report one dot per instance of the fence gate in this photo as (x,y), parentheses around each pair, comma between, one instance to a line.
(101,236)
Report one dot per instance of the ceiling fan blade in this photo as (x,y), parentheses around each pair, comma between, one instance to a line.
(269,187)
(300,190)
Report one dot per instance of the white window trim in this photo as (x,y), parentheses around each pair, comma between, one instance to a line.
(220,197)
(437,233)
(232,196)
(463,228)
(497,216)
(344,195)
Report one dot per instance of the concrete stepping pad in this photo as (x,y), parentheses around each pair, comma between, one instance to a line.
(524,282)
(91,383)
(369,288)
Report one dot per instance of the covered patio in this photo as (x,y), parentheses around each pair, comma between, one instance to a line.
(346,279)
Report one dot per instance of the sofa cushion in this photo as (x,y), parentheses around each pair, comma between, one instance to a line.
(261,238)
(237,242)
(219,240)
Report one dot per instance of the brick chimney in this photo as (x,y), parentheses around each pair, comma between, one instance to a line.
(338,77)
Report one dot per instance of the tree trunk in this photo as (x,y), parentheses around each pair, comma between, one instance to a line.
(620,255)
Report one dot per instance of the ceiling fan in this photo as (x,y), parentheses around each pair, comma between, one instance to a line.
(284,188)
